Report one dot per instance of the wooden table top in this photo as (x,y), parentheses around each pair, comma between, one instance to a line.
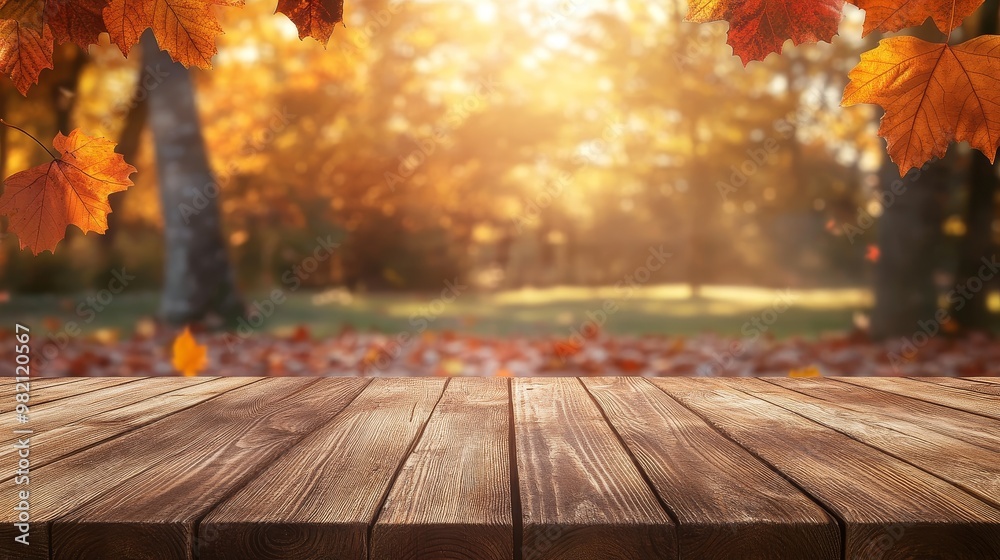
(516,469)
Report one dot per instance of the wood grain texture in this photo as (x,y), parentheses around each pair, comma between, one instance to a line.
(452,498)
(889,407)
(50,415)
(970,467)
(889,509)
(58,488)
(735,506)
(154,515)
(8,386)
(58,391)
(582,497)
(990,389)
(320,499)
(61,441)
(985,405)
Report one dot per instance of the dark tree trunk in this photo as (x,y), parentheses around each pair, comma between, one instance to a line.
(908,233)
(71,62)
(199,282)
(128,146)
(979,213)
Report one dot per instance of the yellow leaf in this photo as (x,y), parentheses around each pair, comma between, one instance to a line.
(189,356)
(811,371)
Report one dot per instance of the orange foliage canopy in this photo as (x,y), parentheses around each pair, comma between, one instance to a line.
(187,29)
(71,189)
(932,93)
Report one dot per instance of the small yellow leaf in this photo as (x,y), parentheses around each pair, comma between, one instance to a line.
(189,356)
(811,371)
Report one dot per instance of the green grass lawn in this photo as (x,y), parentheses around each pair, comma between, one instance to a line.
(666,309)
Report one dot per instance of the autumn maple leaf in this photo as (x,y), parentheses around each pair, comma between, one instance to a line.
(891,16)
(78,21)
(186,29)
(189,357)
(758,28)
(313,18)
(933,94)
(24,52)
(71,189)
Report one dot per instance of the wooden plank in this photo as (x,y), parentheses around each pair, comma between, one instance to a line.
(736,507)
(452,498)
(984,379)
(154,515)
(970,467)
(65,440)
(888,508)
(889,407)
(984,405)
(53,414)
(990,389)
(60,391)
(8,386)
(264,417)
(321,498)
(582,497)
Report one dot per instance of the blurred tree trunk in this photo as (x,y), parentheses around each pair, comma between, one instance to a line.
(199,282)
(980,210)
(128,146)
(70,62)
(908,232)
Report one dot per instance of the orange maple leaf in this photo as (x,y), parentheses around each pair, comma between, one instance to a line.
(189,357)
(758,28)
(933,94)
(72,189)
(885,16)
(28,12)
(79,21)
(313,18)
(184,28)
(24,52)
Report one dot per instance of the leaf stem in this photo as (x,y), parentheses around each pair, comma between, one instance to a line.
(951,22)
(26,133)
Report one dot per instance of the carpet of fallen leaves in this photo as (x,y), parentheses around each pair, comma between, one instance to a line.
(355,353)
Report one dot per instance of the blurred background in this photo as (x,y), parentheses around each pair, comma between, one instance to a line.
(504,188)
